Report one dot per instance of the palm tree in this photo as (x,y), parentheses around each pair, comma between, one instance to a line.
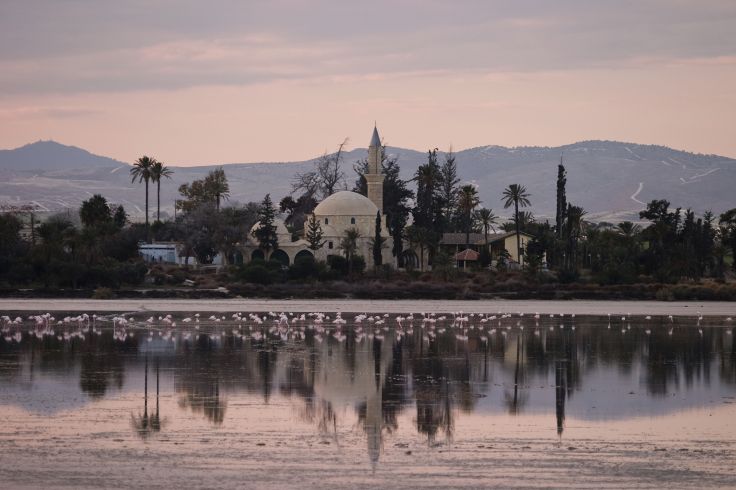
(159,170)
(141,172)
(516,195)
(487,219)
(218,185)
(349,245)
(628,229)
(467,200)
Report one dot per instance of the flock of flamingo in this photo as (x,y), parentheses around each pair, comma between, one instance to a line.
(293,326)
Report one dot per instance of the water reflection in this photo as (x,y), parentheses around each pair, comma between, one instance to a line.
(144,424)
(436,368)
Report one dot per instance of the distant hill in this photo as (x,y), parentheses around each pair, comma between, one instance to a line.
(50,155)
(611,180)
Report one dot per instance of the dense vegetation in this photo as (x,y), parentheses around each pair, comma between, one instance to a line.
(100,251)
(98,247)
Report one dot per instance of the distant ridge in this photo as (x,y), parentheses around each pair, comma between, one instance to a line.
(48,154)
(610,179)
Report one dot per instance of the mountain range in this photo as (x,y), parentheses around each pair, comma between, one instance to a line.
(611,180)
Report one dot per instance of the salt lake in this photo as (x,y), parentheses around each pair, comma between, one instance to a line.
(288,398)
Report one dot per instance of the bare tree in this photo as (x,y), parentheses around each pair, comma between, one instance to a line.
(330,171)
(326,177)
(305,183)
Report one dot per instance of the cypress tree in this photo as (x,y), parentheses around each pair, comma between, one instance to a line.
(314,233)
(378,242)
(448,192)
(265,234)
(561,199)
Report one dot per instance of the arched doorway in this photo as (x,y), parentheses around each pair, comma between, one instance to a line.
(280,256)
(257,254)
(303,254)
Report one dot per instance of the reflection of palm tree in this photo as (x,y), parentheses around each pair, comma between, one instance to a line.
(144,424)
(156,419)
(517,402)
(141,423)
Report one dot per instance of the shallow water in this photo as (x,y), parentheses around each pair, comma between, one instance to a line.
(275,400)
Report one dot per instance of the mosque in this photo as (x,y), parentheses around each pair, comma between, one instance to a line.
(346,210)
(336,214)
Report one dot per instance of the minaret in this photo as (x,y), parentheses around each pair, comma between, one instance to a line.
(374,177)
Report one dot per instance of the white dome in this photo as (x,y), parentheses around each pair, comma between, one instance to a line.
(280,228)
(346,203)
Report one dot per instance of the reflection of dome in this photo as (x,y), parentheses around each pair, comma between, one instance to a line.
(280,228)
(346,203)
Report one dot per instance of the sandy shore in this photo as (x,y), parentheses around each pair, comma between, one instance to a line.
(680,308)
(266,446)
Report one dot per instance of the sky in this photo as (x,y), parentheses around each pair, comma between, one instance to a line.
(192,82)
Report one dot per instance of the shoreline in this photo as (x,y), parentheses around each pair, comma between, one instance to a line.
(566,307)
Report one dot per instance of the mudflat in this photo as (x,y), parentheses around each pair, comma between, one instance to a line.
(577,307)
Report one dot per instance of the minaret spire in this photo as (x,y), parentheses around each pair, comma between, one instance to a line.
(374,176)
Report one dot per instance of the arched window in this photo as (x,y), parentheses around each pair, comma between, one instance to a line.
(352,221)
(329,245)
(327,221)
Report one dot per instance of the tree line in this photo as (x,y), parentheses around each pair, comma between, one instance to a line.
(100,245)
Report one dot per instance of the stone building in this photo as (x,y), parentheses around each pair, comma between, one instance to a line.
(336,214)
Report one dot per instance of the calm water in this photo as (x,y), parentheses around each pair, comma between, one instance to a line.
(369,389)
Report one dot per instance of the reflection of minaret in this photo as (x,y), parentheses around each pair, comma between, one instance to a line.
(374,177)
(374,425)
(374,408)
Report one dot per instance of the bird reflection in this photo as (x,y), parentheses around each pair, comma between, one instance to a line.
(431,369)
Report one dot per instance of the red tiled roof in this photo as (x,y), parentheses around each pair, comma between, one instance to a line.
(475,238)
(467,254)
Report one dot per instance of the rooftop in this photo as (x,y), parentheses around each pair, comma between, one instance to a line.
(346,203)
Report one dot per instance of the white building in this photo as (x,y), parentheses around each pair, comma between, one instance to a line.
(336,214)
(168,253)
(288,250)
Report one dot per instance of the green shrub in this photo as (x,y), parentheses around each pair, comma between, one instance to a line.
(257,274)
(358,263)
(304,268)
(102,293)
(567,276)
(664,294)
(259,271)
(338,264)
(179,276)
